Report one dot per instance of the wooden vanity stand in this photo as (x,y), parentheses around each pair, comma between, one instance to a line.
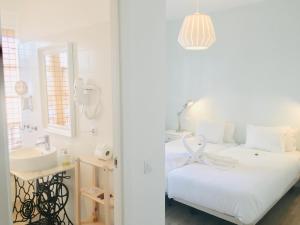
(99,196)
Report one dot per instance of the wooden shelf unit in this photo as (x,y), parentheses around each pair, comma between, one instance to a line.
(88,223)
(93,192)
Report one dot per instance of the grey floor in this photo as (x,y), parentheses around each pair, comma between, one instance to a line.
(285,212)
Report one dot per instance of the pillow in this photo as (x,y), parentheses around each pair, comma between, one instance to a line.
(291,137)
(229,133)
(212,131)
(272,139)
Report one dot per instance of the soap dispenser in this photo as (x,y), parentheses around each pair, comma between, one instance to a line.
(65,157)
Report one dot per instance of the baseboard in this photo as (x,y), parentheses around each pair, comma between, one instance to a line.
(297,185)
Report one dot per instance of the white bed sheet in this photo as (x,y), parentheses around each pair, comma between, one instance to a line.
(176,155)
(245,192)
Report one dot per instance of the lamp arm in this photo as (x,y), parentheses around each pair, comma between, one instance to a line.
(179,119)
(186,105)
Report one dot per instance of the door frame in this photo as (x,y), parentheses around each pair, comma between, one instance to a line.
(116,95)
(5,203)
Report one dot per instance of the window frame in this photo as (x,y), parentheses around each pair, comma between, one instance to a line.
(11,145)
(42,52)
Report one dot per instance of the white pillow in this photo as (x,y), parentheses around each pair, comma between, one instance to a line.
(212,131)
(229,133)
(272,139)
(291,137)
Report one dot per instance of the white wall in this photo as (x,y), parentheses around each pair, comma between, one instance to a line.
(143,109)
(92,39)
(251,74)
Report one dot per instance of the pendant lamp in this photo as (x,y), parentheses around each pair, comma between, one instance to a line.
(197,32)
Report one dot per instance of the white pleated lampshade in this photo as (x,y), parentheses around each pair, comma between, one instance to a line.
(197,32)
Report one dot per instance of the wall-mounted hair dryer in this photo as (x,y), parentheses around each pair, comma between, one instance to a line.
(87,96)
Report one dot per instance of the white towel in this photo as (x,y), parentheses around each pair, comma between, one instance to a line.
(198,155)
(196,151)
(219,161)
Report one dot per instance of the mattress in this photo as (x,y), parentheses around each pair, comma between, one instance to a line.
(245,192)
(176,156)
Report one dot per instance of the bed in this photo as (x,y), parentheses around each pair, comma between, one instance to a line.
(241,195)
(176,155)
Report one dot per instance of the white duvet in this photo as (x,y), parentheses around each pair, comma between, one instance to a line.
(246,191)
(176,156)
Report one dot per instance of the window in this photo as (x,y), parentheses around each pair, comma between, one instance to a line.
(11,76)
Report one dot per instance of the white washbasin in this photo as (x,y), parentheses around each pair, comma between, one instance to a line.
(32,159)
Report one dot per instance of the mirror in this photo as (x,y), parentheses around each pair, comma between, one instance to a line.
(57,77)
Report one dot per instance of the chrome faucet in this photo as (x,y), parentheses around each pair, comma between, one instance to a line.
(44,140)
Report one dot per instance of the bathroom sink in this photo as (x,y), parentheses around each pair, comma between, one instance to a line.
(32,159)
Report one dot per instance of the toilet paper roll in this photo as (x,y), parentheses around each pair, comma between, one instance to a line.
(103,152)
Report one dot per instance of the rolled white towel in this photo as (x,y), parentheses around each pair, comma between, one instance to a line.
(195,152)
(198,155)
(220,161)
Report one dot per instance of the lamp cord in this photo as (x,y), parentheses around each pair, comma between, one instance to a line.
(198,6)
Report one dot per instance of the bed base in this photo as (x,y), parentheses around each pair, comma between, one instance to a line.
(230,218)
(211,212)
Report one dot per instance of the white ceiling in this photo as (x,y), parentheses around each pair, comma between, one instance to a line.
(176,9)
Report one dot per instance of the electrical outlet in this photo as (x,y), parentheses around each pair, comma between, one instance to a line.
(93,131)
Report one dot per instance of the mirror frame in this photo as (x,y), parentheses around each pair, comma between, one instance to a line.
(60,130)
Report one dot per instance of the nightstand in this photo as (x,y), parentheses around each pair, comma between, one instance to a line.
(172,135)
